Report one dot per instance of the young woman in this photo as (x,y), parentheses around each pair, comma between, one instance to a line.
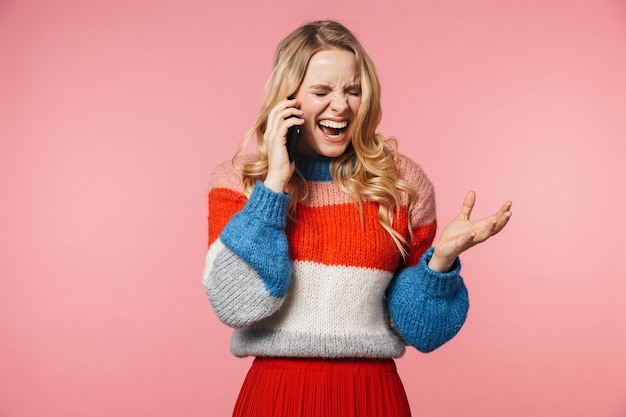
(324,266)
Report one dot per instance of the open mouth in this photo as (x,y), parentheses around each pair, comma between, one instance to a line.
(332,129)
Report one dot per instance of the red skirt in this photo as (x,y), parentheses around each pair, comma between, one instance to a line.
(278,387)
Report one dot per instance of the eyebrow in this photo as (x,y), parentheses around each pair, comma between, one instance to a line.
(328,87)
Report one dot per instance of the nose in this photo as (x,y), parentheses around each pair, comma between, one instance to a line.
(339,102)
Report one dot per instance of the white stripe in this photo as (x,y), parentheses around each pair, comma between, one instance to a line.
(335,300)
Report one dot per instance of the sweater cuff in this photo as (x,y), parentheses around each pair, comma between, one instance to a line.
(267,206)
(439,284)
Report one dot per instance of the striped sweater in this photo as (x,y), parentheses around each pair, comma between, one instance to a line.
(326,284)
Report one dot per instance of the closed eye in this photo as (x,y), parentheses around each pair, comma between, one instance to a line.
(354,91)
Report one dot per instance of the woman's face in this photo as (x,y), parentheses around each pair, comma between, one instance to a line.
(329,96)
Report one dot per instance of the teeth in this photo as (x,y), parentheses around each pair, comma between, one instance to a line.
(333,124)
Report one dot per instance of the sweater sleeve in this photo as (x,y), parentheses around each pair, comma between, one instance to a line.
(248,268)
(426,307)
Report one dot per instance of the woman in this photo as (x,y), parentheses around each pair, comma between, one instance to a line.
(323,266)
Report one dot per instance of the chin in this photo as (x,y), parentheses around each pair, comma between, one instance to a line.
(334,152)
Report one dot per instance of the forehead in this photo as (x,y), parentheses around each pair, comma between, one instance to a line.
(330,67)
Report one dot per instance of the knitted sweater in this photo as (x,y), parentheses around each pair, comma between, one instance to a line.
(326,284)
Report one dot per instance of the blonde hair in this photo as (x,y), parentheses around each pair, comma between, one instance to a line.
(367,170)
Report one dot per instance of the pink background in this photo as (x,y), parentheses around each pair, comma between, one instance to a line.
(114,113)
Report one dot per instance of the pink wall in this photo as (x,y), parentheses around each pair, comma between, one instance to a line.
(114,113)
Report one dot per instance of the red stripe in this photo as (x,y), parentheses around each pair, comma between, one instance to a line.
(423,236)
(223,204)
(333,235)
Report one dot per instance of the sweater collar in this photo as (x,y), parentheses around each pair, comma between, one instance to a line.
(313,169)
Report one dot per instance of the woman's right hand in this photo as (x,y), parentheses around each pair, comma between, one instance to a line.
(279,120)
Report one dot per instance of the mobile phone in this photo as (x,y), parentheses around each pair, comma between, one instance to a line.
(293,135)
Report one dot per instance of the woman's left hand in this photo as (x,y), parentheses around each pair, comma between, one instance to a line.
(463,233)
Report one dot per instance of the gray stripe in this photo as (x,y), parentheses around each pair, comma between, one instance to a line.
(236,291)
(270,342)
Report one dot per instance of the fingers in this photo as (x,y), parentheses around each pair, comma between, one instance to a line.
(488,226)
(506,207)
(281,118)
(503,215)
(470,200)
(462,233)
(502,219)
(497,221)
(468,205)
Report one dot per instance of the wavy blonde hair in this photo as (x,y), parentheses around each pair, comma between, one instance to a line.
(367,171)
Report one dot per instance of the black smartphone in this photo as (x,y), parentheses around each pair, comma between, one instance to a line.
(293,135)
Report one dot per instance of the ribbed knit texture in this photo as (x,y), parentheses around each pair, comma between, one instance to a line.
(326,284)
(322,388)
